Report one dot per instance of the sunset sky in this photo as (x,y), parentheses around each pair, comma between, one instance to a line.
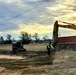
(36,16)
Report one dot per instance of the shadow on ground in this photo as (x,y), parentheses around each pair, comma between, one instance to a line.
(34,58)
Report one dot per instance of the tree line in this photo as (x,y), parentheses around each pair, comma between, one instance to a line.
(25,38)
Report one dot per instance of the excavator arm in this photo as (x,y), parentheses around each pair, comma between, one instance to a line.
(70,26)
(56,28)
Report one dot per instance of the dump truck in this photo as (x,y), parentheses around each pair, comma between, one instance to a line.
(67,42)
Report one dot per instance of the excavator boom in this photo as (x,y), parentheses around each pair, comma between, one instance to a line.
(71,26)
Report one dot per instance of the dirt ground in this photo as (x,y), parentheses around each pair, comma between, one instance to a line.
(35,61)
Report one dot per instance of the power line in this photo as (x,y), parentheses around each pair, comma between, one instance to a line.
(22,13)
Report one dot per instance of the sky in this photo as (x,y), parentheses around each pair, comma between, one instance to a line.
(36,16)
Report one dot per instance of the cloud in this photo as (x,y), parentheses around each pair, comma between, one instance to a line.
(63,11)
(34,28)
(36,17)
(30,29)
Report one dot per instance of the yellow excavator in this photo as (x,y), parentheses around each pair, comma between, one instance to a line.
(55,32)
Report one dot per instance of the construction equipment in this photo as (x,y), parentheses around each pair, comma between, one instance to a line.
(17,47)
(55,31)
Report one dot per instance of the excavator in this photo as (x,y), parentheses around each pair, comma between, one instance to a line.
(55,39)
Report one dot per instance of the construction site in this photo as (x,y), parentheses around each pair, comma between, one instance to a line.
(32,59)
(37,37)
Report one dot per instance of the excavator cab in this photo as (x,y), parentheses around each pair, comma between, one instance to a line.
(17,46)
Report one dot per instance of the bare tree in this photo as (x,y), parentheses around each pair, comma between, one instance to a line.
(9,37)
(1,40)
(45,37)
(36,37)
(25,37)
(9,40)
(30,37)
